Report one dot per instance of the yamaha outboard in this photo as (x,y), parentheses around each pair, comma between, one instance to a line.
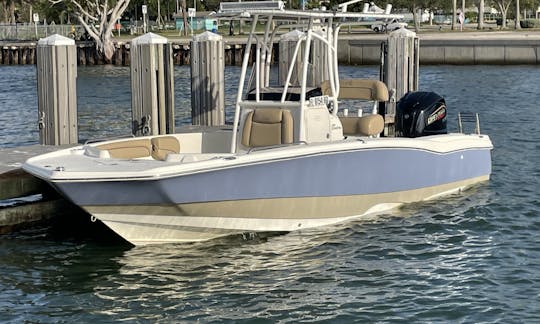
(420,114)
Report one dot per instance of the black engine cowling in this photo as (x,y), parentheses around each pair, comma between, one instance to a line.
(420,114)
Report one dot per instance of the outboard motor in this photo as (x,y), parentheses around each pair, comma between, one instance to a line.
(420,114)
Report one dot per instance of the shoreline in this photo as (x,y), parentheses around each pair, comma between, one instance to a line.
(359,48)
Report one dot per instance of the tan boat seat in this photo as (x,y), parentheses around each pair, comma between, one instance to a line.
(363,89)
(131,149)
(162,146)
(267,126)
(369,125)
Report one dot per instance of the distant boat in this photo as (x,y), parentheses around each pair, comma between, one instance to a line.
(292,160)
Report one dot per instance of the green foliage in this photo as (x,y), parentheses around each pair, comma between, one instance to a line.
(530,23)
(471,16)
(60,13)
(433,5)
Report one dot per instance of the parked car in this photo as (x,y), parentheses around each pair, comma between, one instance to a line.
(392,25)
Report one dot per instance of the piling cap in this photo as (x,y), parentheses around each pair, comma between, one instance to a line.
(207,36)
(402,32)
(293,35)
(57,40)
(149,38)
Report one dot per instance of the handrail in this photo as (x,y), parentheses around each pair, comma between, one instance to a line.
(468,117)
(262,148)
(291,67)
(241,84)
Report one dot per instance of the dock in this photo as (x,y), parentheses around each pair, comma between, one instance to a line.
(24,199)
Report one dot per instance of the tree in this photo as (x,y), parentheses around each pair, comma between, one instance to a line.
(481,14)
(98,17)
(454,14)
(184,16)
(416,6)
(503,8)
(527,5)
(9,11)
(518,24)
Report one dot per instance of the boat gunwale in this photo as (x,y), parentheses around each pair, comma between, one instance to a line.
(170,170)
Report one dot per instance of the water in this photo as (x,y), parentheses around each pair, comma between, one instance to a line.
(471,257)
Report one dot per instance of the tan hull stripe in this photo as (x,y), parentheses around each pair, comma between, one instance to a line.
(287,208)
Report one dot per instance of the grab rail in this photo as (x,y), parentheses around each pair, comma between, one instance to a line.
(97,140)
(262,148)
(469,117)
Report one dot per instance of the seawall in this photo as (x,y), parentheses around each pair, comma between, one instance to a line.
(452,48)
(361,49)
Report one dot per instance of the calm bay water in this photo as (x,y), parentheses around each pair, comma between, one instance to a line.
(472,257)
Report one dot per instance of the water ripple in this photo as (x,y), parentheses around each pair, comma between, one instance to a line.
(471,257)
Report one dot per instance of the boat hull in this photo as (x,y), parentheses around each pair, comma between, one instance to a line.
(151,224)
(284,194)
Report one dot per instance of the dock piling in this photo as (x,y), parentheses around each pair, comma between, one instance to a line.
(399,71)
(320,71)
(287,45)
(152,85)
(207,80)
(57,91)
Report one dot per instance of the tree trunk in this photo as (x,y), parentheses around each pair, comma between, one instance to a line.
(503,6)
(108,48)
(480,15)
(12,12)
(414,14)
(417,18)
(454,14)
(184,16)
(5,14)
(518,22)
(159,19)
(463,11)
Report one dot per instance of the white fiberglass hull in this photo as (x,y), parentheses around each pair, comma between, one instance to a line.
(280,189)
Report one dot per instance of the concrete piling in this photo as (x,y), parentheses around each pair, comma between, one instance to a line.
(57,93)
(287,47)
(207,80)
(320,70)
(152,85)
(400,70)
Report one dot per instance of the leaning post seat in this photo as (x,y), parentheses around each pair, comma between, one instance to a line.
(266,127)
(369,125)
(363,89)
